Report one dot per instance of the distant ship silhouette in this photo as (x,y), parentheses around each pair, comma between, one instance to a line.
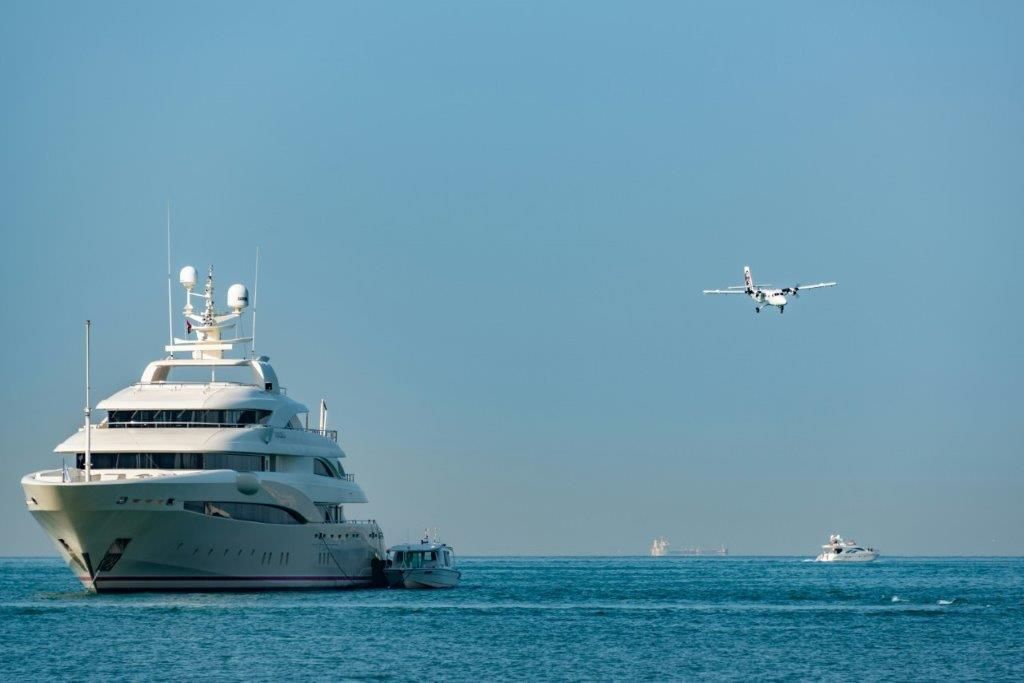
(660,548)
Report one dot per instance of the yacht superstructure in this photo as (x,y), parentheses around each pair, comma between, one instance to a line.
(206,485)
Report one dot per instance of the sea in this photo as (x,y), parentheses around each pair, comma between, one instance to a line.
(540,618)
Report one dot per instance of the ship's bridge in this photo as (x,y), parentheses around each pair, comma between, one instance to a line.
(159,400)
(217,405)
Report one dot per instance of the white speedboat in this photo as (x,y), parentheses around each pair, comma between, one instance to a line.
(206,485)
(839,550)
(427,564)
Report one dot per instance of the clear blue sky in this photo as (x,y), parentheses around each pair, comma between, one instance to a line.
(485,228)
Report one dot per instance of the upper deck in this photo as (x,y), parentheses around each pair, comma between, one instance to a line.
(162,412)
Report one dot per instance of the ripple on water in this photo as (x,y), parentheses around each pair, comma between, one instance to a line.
(543,618)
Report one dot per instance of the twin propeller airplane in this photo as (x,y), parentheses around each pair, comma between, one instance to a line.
(766,295)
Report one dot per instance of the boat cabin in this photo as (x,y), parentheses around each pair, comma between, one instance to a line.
(416,556)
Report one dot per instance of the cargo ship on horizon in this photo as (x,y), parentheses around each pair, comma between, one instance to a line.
(660,547)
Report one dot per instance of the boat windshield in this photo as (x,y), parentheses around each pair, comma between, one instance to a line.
(414,558)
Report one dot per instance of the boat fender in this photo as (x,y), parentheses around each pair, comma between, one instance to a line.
(247,483)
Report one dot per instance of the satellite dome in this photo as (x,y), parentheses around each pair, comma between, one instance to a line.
(238,297)
(188,277)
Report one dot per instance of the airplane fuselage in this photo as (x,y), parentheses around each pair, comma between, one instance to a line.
(767,297)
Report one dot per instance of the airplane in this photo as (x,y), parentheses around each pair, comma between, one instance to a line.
(766,295)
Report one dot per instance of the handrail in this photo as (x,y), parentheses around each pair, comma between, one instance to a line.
(331,434)
(348,477)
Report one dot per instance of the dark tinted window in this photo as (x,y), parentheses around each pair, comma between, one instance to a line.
(240,462)
(320,467)
(246,512)
(185,418)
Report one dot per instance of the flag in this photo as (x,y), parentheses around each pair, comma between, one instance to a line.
(188,326)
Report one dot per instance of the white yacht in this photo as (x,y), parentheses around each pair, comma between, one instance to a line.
(427,564)
(206,485)
(839,550)
(659,547)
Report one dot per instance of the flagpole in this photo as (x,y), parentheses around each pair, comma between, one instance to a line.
(88,410)
(170,323)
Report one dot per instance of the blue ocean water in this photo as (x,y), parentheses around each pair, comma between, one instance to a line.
(540,618)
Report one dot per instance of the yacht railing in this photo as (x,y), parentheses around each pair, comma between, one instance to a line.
(348,477)
(331,434)
(77,476)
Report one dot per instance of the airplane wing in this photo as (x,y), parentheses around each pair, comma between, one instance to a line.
(724,291)
(800,288)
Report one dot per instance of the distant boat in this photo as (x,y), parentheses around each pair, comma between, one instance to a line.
(839,550)
(660,548)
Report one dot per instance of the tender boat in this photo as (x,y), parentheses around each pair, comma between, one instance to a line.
(839,550)
(215,483)
(427,564)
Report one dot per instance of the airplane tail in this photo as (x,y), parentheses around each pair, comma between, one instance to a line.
(748,279)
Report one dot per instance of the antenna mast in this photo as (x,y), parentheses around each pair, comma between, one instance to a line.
(170,324)
(88,411)
(255,291)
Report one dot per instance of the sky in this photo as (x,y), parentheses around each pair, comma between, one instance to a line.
(485,228)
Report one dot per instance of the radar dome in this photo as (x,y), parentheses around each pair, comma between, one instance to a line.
(238,297)
(188,277)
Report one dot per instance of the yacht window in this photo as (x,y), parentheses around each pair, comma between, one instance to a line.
(247,512)
(186,418)
(322,468)
(331,512)
(240,462)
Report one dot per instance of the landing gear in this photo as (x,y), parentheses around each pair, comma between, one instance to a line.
(782,309)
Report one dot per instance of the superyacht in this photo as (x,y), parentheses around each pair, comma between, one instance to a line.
(209,484)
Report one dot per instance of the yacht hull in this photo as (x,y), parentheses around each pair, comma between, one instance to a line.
(847,558)
(155,546)
(422,578)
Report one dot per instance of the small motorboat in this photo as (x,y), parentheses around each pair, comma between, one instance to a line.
(839,550)
(427,564)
